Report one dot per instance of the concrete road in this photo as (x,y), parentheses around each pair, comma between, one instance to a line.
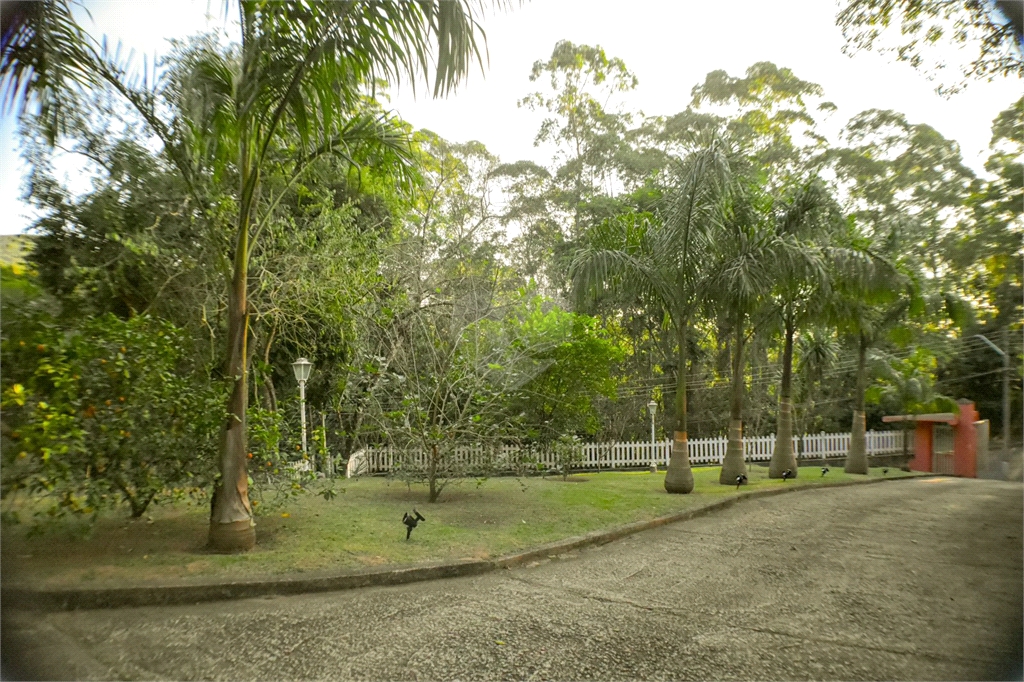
(913,580)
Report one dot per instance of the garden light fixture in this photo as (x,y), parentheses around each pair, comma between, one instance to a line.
(302,367)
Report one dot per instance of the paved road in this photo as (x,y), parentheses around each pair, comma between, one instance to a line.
(912,580)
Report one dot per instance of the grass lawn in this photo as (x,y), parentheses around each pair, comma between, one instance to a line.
(362,528)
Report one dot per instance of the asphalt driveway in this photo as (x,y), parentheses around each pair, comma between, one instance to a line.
(911,580)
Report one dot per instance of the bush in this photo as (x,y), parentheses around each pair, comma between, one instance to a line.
(104,413)
(273,454)
(568,454)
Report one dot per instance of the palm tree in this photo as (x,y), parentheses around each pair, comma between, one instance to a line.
(872,294)
(809,215)
(663,261)
(297,82)
(43,55)
(816,353)
(750,252)
(304,66)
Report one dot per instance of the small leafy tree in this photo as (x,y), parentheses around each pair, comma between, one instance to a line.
(568,454)
(104,413)
(451,370)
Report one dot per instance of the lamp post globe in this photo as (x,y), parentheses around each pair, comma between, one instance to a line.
(302,368)
(652,407)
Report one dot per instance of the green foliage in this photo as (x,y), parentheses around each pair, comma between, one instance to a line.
(103,412)
(771,122)
(44,56)
(927,25)
(985,251)
(578,356)
(582,80)
(277,467)
(568,454)
(907,385)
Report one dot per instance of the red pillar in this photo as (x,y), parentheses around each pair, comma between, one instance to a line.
(965,441)
(922,447)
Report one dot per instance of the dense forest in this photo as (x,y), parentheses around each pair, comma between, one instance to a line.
(732,262)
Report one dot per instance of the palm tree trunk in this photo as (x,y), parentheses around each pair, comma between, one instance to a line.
(733,465)
(679,476)
(856,457)
(232,528)
(782,457)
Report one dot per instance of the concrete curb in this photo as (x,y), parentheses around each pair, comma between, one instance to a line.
(167,595)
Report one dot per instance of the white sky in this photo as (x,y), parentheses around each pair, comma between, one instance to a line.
(669,45)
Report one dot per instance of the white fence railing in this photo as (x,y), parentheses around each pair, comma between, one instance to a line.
(707,451)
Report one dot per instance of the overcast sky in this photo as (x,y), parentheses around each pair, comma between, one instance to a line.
(669,45)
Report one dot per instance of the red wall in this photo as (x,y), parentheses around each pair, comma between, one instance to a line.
(922,447)
(965,442)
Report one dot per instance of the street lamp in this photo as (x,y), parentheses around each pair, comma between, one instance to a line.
(1006,389)
(652,407)
(301,367)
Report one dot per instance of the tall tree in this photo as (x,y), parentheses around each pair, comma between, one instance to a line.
(663,260)
(874,292)
(897,171)
(748,254)
(300,71)
(984,251)
(809,214)
(769,113)
(994,28)
(587,133)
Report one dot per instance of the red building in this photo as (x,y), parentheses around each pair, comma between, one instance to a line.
(945,442)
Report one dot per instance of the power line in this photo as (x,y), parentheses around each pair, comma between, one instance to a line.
(635,389)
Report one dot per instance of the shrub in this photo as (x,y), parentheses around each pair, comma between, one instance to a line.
(103,413)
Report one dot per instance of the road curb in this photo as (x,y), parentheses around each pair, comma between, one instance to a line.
(168,595)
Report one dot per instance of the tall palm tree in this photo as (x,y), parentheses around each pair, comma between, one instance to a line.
(296,83)
(43,54)
(872,294)
(663,261)
(304,66)
(816,352)
(809,215)
(749,255)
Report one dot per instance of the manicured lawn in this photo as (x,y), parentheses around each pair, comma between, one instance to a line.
(362,527)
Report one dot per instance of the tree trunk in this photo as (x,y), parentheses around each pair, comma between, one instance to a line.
(856,457)
(733,464)
(432,475)
(679,476)
(269,394)
(782,457)
(232,528)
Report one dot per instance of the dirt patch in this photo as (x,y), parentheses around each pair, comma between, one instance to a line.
(478,554)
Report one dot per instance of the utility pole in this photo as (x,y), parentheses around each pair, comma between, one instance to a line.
(1006,394)
(1006,387)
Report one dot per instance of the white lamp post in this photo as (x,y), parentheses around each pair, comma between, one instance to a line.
(302,367)
(652,407)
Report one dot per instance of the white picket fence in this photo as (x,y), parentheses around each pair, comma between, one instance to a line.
(707,451)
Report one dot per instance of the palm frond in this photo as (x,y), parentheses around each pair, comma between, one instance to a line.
(44,57)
